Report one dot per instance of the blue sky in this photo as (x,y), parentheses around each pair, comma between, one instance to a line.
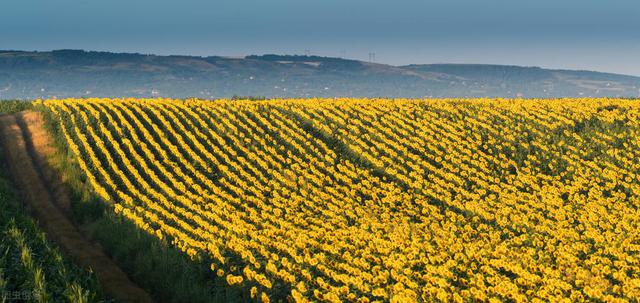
(599,35)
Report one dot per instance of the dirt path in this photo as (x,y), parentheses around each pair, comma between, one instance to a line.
(40,145)
(26,144)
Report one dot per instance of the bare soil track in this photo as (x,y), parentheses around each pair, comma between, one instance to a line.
(26,144)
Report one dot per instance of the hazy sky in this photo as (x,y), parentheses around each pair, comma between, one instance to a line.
(599,35)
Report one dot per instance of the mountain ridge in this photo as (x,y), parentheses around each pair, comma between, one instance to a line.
(79,73)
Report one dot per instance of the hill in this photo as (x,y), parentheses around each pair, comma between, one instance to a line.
(77,73)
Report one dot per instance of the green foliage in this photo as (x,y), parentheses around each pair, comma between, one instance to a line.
(14,106)
(156,266)
(31,269)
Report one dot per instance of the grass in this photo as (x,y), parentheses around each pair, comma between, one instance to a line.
(31,268)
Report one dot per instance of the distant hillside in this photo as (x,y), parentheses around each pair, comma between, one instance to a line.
(74,73)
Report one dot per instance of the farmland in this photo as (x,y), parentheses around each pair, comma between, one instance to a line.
(362,200)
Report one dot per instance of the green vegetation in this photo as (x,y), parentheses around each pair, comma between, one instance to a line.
(31,269)
(252,98)
(14,106)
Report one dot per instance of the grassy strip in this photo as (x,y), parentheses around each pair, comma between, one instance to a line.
(166,273)
(30,268)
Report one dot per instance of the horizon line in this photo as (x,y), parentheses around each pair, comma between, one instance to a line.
(319,56)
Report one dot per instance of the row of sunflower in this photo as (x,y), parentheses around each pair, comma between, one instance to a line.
(362,200)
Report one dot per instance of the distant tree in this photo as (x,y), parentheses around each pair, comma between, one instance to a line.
(252,98)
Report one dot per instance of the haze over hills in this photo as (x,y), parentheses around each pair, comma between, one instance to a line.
(76,73)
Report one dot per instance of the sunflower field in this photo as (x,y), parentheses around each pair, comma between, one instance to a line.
(377,200)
